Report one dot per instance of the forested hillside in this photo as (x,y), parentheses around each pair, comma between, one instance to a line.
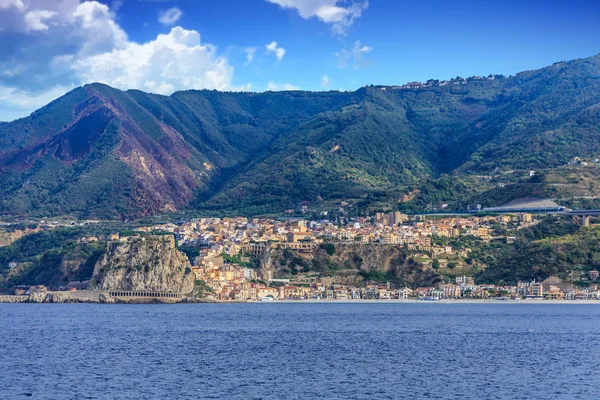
(101,152)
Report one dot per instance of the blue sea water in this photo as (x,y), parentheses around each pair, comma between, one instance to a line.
(299,351)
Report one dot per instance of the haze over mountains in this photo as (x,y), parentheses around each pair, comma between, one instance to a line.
(101,152)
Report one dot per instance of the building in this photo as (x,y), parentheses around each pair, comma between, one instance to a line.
(527,218)
(391,219)
(483,233)
(254,250)
(536,289)
(554,293)
(465,280)
(452,291)
(503,219)
(295,237)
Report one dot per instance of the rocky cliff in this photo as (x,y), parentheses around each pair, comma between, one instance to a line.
(144,264)
(352,262)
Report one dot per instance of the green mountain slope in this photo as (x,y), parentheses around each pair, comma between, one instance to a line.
(98,151)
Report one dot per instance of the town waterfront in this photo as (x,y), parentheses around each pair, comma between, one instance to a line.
(299,351)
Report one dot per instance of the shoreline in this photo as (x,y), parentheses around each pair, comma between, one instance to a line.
(444,301)
(12,299)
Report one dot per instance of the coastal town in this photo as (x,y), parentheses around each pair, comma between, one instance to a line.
(228,258)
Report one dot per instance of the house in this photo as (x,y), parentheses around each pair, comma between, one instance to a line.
(525,218)
(452,291)
(423,291)
(554,293)
(465,280)
(503,219)
(405,293)
(483,233)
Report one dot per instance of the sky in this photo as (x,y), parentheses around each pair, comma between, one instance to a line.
(48,47)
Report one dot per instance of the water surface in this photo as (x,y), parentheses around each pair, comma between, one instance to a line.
(299,351)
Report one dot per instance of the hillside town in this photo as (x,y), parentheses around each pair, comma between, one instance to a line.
(226,257)
(230,250)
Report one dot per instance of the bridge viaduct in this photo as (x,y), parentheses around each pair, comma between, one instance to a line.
(147,294)
(583,216)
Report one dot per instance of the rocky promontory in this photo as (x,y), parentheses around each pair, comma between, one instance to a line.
(150,263)
(352,263)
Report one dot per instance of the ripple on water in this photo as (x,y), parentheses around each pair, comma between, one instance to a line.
(298,351)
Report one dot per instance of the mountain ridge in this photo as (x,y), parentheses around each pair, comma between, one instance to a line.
(99,151)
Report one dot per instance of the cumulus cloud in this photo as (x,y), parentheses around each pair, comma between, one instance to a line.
(37,20)
(273,47)
(73,42)
(6,4)
(277,87)
(354,56)
(170,16)
(174,61)
(325,82)
(335,12)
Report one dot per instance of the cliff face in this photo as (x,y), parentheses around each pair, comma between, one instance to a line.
(150,264)
(353,262)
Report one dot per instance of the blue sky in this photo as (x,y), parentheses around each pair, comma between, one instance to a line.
(50,46)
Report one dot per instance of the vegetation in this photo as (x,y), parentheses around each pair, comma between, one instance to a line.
(248,153)
(329,248)
(570,256)
(190,251)
(55,257)
(200,288)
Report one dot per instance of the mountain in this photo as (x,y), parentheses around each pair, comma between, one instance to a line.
(102,152)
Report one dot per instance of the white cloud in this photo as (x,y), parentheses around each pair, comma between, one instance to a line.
(354,56)
(174,61)
(250,53)
(277,87)
(334,12)
(170,16)
(97,32)
(36,20)
(77,42)
(273,47)
(325,82)
(6,4)
(16,103)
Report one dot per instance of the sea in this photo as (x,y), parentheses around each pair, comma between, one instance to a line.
(300,351)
